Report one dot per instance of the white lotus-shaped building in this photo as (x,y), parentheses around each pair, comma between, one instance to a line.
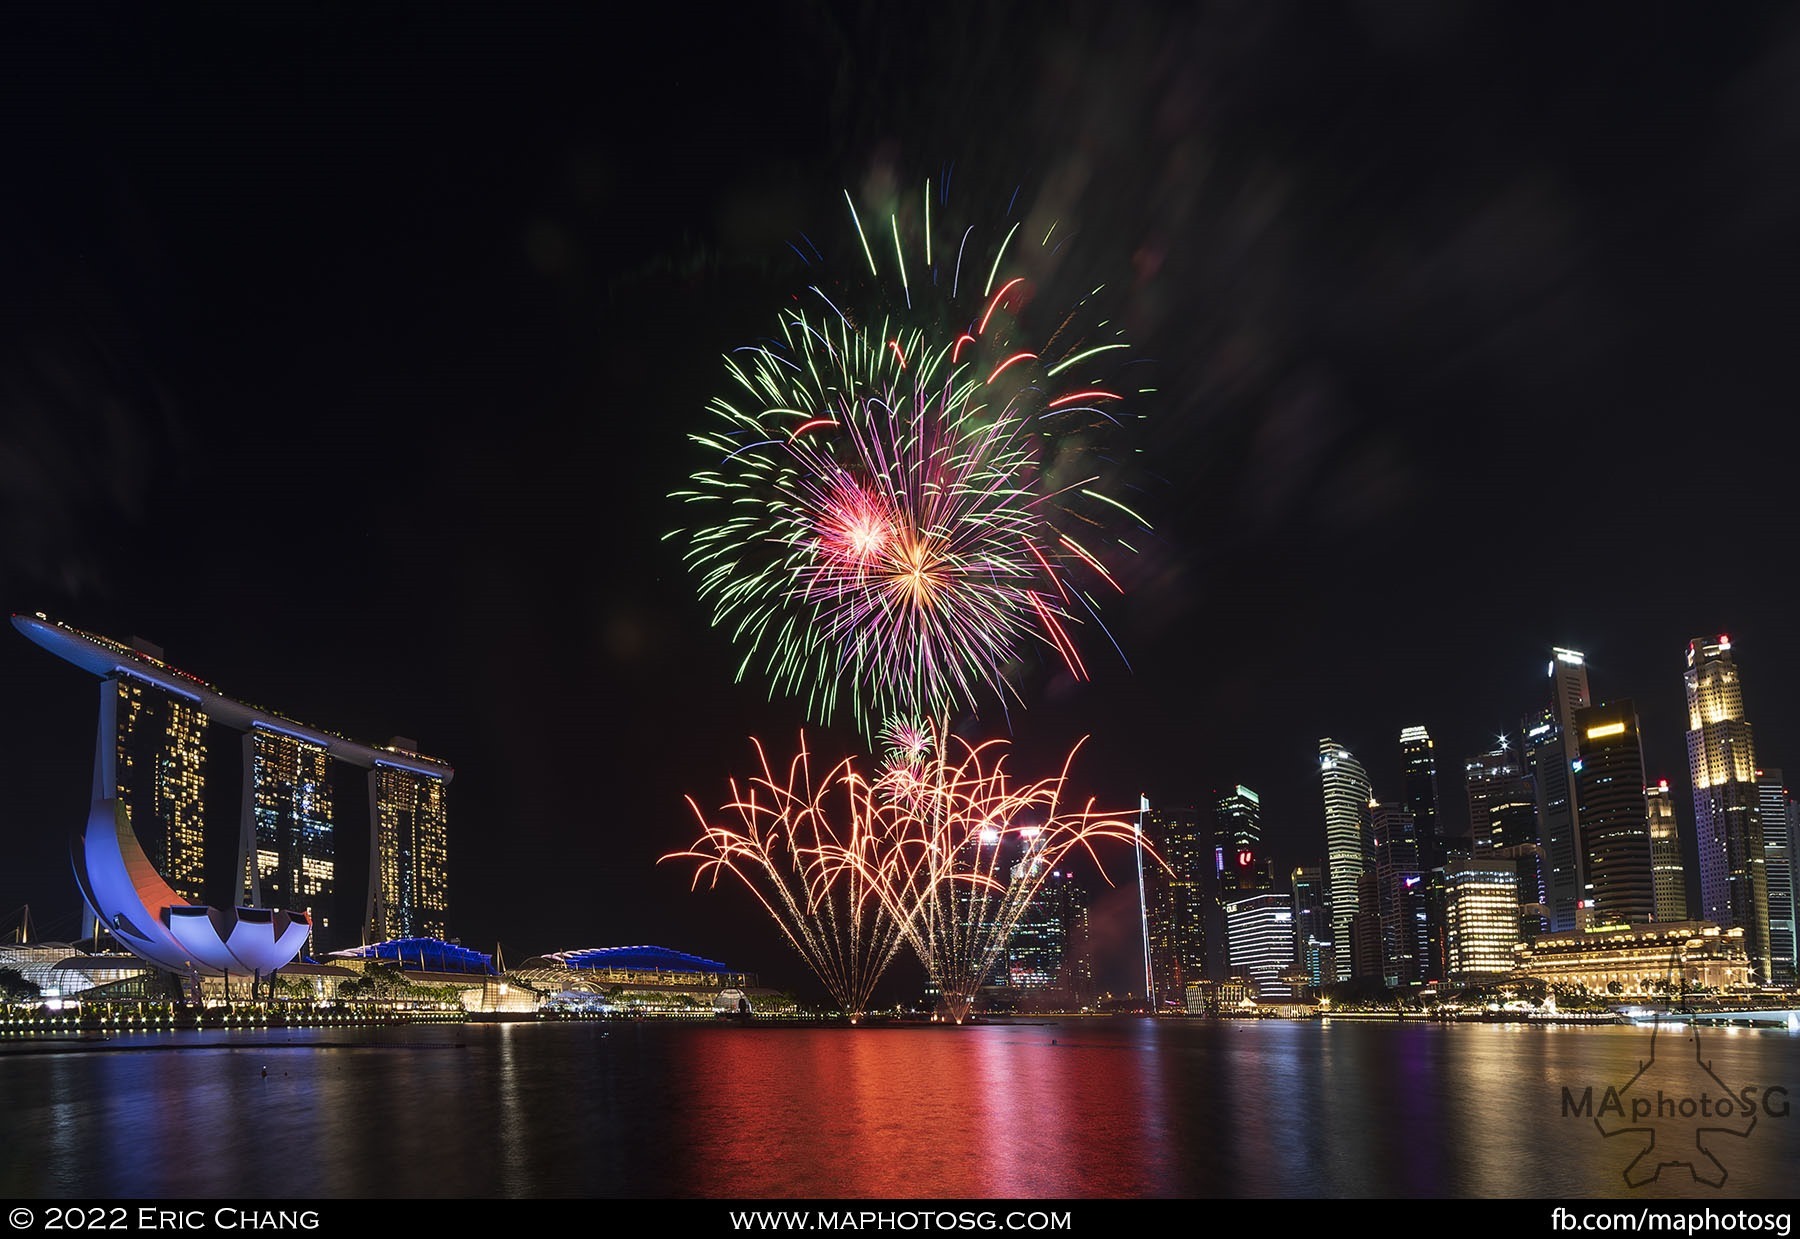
(151,921)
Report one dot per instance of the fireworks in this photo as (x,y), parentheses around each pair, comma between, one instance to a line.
(967,851)
(948,863)
(901,507)
(788,842)
(901,504)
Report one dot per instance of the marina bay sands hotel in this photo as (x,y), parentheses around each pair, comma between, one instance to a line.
(152,753)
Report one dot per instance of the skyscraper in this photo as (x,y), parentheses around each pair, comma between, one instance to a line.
(1183,900)
(1399,893)
(1503,820)
(1240,819)
(1551,746)
(157,739)
(1727,827)
(1347,794)
(1419,796)
(1260,929)
(1666,864)
(408,891)
(1553,786)
(1778,865)
(152,757)
(1312,927)
(1615,816)
(1483,912)
(289,852)
(1044,950)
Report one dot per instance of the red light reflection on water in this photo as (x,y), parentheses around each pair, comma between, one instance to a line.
(919,1112)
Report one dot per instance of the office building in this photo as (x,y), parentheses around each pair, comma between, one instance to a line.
(1240,820)
(1482,907)
(1312,927)
(1667,867)
(1399,893)
(1728,832)
(1260,930)
(1419,797)
(1183,907)
(1774,809)
(1346,788)
(1620,883)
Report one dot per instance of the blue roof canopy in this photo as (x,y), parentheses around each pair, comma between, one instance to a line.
(642,958)
(424,954)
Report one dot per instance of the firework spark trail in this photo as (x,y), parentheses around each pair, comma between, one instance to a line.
(888,521)
(785,847)
(945,873)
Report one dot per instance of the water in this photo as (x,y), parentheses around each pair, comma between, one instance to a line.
(1079,1108)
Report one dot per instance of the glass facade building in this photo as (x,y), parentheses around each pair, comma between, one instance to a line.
(1346,787)
(1728,832)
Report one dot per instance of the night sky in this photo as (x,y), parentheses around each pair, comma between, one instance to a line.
(349,354)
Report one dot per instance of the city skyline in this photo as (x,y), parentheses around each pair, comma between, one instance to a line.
(367,400)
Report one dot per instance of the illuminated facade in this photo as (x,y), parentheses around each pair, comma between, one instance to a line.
(1184,903)
(1615,821)
(1667,868)
(1399,893)
(1728,830)
(408,886)
(1260,930)
(289,849)
(1419,797)
(1312,927)
(1639,961)
(1775,810)
(1240,819)
(1482,912)
(1347,791)
(1047,948)
(158,774)
(1552,744)
(150,760)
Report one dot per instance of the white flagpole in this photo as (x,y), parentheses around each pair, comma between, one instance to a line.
(1143,905)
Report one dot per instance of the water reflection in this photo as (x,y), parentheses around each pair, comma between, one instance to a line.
(1060,1109)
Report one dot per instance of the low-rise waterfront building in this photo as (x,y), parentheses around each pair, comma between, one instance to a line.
(1638,961)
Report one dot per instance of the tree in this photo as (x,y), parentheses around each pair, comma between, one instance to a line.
(14,985)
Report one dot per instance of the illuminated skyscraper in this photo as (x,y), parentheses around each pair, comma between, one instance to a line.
(1483,911)
(1183,900)
(1615,820)
(1728,830)
(1312,927)
(1419,796)
(289,851)
(1045,949)
(1240,820)
(408,893)
(1347,843)
(157,739)
(1551,744)
(1553,786)
(151,756)
(1773,807)
(1503,823)
(1260,929)
(1666,865)
(1399,893)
